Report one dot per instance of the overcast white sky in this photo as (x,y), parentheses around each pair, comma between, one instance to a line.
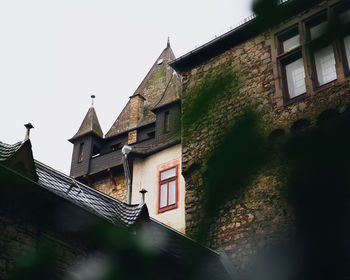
(55,53)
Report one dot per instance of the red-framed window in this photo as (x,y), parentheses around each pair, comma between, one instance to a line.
(168,189)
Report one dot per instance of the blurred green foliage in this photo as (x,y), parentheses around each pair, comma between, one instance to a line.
(204,96)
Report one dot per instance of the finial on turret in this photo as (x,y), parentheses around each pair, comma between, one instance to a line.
(168,43)
(28,126)
(92,100)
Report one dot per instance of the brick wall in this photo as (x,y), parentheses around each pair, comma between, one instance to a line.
(136,109)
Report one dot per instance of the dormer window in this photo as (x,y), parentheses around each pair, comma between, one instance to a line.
(116,147)
(166,122)
(81,152)
(95,152)
(151,134)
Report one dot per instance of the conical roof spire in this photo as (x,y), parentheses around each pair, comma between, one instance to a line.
(90,123)
(168,43)
(151,88)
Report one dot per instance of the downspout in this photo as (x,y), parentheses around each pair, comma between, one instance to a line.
(125,151)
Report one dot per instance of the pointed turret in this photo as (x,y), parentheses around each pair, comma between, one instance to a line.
(89,124)
(151,89)
(87,142)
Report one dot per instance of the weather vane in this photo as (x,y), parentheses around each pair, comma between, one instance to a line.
(92,100)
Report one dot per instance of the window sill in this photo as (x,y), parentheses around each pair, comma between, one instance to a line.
(315,91)
(295,99)
(325,86)
(165,209)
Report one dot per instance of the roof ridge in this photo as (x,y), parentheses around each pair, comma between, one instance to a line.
(151,87)
(166,88)
(81,184)
(155,63)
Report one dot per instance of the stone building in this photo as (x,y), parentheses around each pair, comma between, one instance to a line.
(54,227)
(288,72)
(149,128)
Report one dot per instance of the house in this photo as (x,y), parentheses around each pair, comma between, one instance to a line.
(291,72)
(148,128)
(54,227)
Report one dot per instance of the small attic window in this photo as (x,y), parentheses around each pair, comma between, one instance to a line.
(81,154)
(166,122)
(95,152)
(160,61)
(116,147)
(151,134)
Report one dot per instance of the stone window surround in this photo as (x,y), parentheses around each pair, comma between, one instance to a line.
(160,182)
(300,22)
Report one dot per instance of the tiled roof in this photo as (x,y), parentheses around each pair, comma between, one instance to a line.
(78,193)
(86,197)
(157,82)
(89,124)
(7,151)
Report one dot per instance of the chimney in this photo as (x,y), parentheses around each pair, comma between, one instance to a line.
(143,192)
(137,103)
(136,109)
(28,126)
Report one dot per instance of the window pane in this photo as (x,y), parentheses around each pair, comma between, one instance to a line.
(163,195)
(166,122)
(168,174)
(172,192)
(291,43)
(318,30)
(344,17)
(347,48)
(296,78)
(81,152)
(325,65)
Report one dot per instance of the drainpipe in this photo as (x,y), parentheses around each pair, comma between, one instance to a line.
(125,151)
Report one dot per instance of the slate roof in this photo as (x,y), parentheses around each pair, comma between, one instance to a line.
(7,151)
(158,83)
(89,124)
(171,93)
(78,193)
(160,236)
(211,264)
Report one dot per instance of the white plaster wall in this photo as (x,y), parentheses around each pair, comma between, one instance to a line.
(145,175)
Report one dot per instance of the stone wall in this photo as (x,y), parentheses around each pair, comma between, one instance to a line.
(18,236)
(105,184)
(259,215)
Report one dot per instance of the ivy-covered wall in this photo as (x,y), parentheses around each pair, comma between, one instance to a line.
(259,215)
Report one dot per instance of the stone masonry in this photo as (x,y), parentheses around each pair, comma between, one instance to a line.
(254,219)
(117,191)
(19,235)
